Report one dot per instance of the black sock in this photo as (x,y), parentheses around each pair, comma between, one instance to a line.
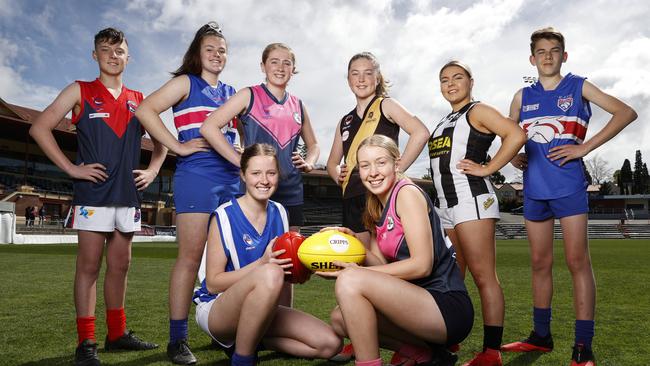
(492,336)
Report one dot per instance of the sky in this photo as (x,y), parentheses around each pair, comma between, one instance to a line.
(46,45)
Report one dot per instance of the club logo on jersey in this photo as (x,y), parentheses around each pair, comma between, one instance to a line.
(488,202)
(131,105)
(86,213)
(296,117)
(564,103)
(391,223)
(439,146)
(544,130)
(530,107)
(137,215)
(345,135)
(248,241)
(98,101)
(347,120)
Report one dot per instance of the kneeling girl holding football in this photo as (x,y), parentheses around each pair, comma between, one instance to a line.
(240,303)
(410,296)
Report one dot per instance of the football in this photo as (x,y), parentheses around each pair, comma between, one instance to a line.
(291,241)
(319,250)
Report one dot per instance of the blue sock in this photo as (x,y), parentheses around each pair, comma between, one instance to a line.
(239,360)
(584,332)
(177,330)
(542,321)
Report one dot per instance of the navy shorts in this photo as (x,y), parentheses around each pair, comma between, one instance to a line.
(571,205)
(198,193)
(458,313)
(353,209)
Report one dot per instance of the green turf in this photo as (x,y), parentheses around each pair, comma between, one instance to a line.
(37,324)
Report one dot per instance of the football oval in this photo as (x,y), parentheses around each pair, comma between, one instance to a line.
(318,251)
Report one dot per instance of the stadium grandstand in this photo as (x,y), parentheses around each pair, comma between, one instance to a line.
(28,179)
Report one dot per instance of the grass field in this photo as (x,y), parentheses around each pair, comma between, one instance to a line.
(37,324)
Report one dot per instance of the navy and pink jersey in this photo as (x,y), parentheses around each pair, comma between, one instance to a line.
(278,123)
(189,116)
(553,118)
(108,133)
(444,276)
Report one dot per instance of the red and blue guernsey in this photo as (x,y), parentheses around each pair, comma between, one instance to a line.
(108,133)
(189,116)
(241,242)
(277,122)
(445,275)
(553,118)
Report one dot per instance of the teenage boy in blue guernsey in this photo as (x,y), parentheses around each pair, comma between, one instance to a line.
(554,112)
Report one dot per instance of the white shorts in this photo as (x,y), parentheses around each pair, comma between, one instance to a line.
(485,206)
(202,315)
(104,219)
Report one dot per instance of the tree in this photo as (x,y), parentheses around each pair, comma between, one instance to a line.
(625,178)
(598,169)
(645,179)
(637,178)
(427,175)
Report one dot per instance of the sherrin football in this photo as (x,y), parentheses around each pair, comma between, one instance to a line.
(318,251)
(290,242)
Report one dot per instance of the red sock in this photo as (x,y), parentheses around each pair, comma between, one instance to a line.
(415,353)
(86,328)
(116,323)
(376,362)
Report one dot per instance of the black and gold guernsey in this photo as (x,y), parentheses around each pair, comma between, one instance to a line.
(353,130)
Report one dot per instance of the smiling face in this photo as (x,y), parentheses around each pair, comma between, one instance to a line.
(548,56)
(279,66)
(261,177)
(214,54)
(363,78)
(377,169)
(456,85)
(112,58)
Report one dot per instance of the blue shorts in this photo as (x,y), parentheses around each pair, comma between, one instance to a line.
(539,210)
(198,193)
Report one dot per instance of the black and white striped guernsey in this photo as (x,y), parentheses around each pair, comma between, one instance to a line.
(452,140)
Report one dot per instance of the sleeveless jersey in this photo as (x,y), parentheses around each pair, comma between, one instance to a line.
(553,118)
(349,128)
(445,275)
(108,133)
(189,116)
(278,123)
(241,241)
(454,139)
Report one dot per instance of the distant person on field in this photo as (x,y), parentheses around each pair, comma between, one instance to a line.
(241,303)
(41,215)
(107,183)
(554,112)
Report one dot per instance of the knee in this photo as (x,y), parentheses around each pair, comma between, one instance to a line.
(270,277)
(486,280)
(541,262)
(121,265)
(88,268)
(330,346)
(349,283)
(578,262)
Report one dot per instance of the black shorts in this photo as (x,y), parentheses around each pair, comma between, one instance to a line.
(353,209)
(296,217)
(457,311)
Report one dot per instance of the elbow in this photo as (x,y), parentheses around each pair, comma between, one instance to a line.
(632,113)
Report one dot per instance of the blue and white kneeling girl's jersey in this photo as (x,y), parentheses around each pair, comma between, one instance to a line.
(241,241)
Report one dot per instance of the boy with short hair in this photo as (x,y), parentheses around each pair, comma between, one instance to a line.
(554,111)
(106,201)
